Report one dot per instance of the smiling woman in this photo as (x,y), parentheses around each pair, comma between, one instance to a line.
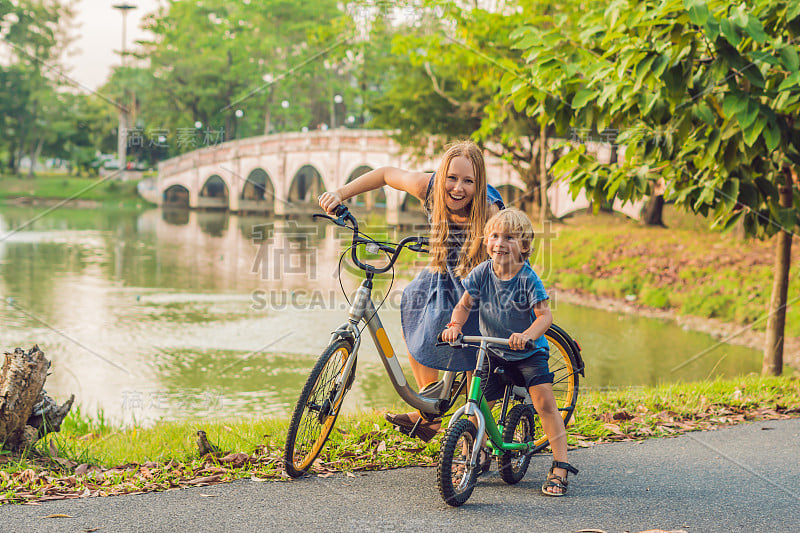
(457,202)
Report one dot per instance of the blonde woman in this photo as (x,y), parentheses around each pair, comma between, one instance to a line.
(458,202)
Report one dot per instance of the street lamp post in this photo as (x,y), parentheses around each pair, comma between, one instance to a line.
(337,99)
(122,141)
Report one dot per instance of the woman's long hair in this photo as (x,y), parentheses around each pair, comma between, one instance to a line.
(473,251)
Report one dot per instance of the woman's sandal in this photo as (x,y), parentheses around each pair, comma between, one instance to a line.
(558,481)
(425,431)
(484,460)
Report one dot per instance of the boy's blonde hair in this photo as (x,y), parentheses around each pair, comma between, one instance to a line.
(513,222)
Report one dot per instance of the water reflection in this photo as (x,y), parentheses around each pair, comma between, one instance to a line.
(173,313)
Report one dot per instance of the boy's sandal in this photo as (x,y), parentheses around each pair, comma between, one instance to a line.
(557,481)
(421,429)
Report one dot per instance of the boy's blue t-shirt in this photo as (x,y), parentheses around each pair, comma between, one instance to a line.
(506,306)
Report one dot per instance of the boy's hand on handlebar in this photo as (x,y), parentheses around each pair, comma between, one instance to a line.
(517,341)
(451,334)
(329,200)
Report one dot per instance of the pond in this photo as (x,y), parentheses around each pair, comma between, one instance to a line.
(172,314)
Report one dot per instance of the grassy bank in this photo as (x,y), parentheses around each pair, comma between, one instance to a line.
(46,187)
(91,458)
(685,268)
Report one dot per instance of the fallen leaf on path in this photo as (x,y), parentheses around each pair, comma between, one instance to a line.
(350,474)
(614,429)
(58,516)
(206,479)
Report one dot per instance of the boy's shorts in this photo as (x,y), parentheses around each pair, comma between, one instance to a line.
(526,373)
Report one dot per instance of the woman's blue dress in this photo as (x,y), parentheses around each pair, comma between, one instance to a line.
(428,302)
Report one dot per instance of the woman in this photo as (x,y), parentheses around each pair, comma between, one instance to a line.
(458,202)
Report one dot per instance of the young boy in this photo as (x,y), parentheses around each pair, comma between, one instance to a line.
(513,304)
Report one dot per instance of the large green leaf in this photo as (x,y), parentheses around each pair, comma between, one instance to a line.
(752,132)
(698,12)
(754,29)
(730,32)
(582,97)
(789,57)
(747,116)
(772,135)
(733,104)
(792,80)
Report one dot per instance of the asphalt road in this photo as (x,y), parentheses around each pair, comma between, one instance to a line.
(743,478)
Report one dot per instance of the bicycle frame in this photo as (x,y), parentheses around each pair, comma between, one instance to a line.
(363,308)
(476,406)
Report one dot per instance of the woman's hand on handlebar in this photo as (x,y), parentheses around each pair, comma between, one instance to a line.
(451,334)
(517,341)
(329,200)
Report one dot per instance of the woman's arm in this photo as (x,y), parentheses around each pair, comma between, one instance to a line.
(415,183)
(544,319)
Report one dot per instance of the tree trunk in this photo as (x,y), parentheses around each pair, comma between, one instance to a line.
(776,323)
(26,412)
(653,212)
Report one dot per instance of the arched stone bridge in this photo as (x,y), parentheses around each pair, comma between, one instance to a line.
(284,173)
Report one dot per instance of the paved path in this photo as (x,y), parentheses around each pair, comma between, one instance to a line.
(744,478)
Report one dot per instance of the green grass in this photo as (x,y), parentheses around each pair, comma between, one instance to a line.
(60,186)
(93,457)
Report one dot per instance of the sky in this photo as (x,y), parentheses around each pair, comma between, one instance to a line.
(98,41)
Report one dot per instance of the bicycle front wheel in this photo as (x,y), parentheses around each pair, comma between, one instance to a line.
(456,480)
(563,364)
(317,408)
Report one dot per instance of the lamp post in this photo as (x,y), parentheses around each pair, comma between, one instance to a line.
(122,144)
(337,99)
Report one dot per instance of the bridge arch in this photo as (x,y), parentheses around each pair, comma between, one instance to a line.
(214,193)
(306,185)
(258,192)
(176,196)
(369,199)
(410,204)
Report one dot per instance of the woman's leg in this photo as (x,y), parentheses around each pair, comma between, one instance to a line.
(423,375)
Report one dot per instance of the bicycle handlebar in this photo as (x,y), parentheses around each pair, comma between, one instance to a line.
(343,215)
(463,340)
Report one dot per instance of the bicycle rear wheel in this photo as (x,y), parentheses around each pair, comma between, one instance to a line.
(564,365)
(317,408)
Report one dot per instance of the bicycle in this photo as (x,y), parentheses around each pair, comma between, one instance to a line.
(332,376)
(512,438)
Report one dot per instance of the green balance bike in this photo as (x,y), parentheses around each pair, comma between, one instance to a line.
(517,433)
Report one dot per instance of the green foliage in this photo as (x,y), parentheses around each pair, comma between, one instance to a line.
(30,103)
(703,94)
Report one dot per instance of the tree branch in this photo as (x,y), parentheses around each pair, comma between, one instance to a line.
(437,89)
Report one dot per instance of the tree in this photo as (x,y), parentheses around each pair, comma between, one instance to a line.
(229,66)
(446,80)
(703,94)
(36,33)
